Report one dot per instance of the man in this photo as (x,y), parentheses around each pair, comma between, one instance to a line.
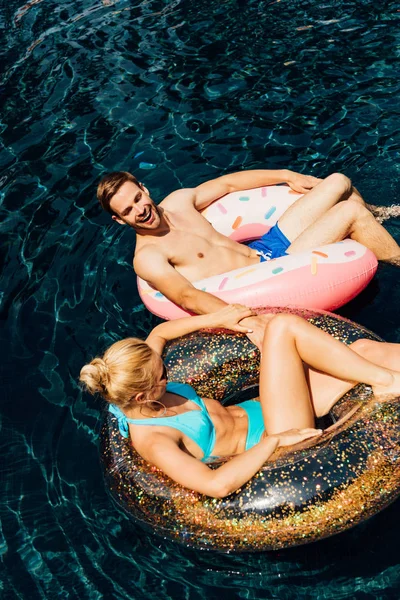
(177,245)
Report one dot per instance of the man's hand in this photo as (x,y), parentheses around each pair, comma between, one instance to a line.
(232,317)
(257,325)
(301,183)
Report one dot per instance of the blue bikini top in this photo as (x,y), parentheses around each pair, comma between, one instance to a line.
(196,424)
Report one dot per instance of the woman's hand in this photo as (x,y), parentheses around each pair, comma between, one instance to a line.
(294,436)
(229,317)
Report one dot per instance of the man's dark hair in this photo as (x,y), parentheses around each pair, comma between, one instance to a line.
(109,186)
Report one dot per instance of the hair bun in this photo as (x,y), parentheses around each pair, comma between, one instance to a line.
(95,376)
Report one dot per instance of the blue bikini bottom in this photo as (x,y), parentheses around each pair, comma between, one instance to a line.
(256,422)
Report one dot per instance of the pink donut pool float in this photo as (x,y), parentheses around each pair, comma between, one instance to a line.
(325,277)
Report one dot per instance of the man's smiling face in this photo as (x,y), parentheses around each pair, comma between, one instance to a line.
(133,206)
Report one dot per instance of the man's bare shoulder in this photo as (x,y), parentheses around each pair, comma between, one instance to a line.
(185,196)
(146,257)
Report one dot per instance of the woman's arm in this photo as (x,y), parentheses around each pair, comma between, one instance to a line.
(188,471)
(227,317)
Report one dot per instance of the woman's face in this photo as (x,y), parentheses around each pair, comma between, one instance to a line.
(161,380)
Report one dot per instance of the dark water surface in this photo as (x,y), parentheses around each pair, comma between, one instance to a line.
(178,92)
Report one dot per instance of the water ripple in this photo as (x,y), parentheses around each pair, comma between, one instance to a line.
(177,92)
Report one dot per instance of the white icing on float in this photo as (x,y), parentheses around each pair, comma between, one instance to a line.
(324,277)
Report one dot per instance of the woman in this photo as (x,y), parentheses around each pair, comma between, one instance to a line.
(303,372)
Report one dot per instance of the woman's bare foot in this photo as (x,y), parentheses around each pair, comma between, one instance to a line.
(393,389)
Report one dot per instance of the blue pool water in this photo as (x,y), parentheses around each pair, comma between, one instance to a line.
(178,92)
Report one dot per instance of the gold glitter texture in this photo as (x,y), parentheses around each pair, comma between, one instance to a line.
(299,496)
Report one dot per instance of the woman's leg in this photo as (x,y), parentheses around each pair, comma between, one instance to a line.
(326,390)
(289,342)
(284,394)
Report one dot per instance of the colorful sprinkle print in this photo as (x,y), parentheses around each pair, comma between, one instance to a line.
(245,273)
(314,265)
(320,253)
(223,283)
(263,192)
(277,270)
(270,212)
(350,253)
(237,222)
(244,198)
(222,208)
(158,295)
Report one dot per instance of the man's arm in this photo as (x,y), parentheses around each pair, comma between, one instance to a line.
(153,266)
(228,318)
(216,188)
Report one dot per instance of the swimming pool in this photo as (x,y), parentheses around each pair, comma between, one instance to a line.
(178,92)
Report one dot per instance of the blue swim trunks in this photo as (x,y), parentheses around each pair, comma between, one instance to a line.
(255,422)
(272,244)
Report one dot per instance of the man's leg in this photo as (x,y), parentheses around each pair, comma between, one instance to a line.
(328,193)
(381,213)
(348,219)
(313,205)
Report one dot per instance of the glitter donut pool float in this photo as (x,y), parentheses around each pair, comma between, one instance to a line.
(300,495)
(325,277)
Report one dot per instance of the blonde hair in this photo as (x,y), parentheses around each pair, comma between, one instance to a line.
(126,369)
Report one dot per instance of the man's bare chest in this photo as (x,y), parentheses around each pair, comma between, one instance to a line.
(187,247)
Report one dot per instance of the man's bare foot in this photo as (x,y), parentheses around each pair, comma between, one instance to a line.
(393,261)
(382,213)
(392,389)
